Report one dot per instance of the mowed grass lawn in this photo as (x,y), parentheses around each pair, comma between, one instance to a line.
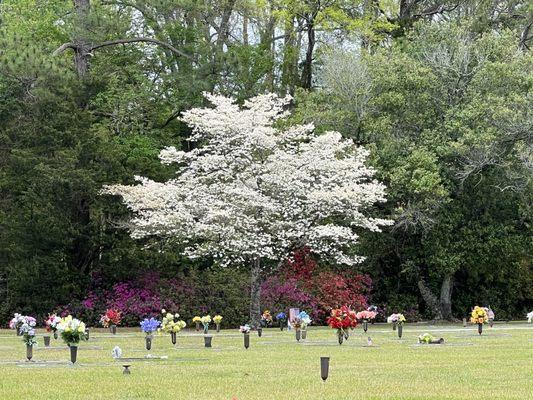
(496,365)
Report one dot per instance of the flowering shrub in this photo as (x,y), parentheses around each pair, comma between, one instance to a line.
(299,283)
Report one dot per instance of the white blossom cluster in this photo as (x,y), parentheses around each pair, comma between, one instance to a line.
(251,190)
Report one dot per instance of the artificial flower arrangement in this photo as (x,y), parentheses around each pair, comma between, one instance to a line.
(217,319)
(366,316)
(305,319)
(149,326)
(342,319)
(72,330)
(266,319)
(110,318)
(206,320)
(426,338)
(530,317)
(171,323)
(282,319)
(16,322)
(479,316)
(197,320)
(27,330)
(396,319)
(245,328)
(51,323)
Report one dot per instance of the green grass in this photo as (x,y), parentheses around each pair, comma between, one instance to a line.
(497,365)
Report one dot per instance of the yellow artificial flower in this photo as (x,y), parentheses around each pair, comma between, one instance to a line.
(197,319)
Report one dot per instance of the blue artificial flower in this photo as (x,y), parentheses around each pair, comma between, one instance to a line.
(150,325)
(281,315)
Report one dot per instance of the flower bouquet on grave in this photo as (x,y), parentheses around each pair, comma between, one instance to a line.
(205,320)
(282,319)
(245,330)
(72,331)
(16,322)
(266,319)
(397,320)
(111,319)
(366,316)
(529,317)
(428,338)
(479,317)
(149,326)
(197,321)
(217,319)
(171,324)
(296,323)
(342,319)
(51,324)
(305,321)
(27,330)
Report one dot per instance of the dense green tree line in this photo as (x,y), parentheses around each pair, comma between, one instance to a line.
(440,91)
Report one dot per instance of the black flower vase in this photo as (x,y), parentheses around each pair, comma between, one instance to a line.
(207,341)
(340,337)
(73,353)
(394,326)
(218,328)
(400,330)
(324,367)
(246,340)
(173,337)
(87,333)
(491,323)
(55,335)
(29,352)
(365,326)
(259,331)
(46,339)
(148,342)
(298,335)
(113,329)
(304,334)
(197,326)
(480,328)
(281,325)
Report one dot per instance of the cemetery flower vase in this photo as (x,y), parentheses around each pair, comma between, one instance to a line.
(324,367)
(365,326)
(340,336)
(207,341)
(259,331)
(400,330)
(113,329)
(73,352)
(55,335)
(197,326)
(148,340)
(304,334)
(29,352)
(46,339)
(479,328)
(173,337)
(298,335)
(394,324)
(246,340)
(218,328)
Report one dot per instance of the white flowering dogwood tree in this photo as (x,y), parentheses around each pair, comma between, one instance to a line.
(249,193)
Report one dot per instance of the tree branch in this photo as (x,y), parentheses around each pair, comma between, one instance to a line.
(73,46)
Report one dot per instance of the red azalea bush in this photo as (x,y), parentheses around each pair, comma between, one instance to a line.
(301,284)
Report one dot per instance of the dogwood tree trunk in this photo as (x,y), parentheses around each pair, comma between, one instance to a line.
(255,292)
(446,297)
